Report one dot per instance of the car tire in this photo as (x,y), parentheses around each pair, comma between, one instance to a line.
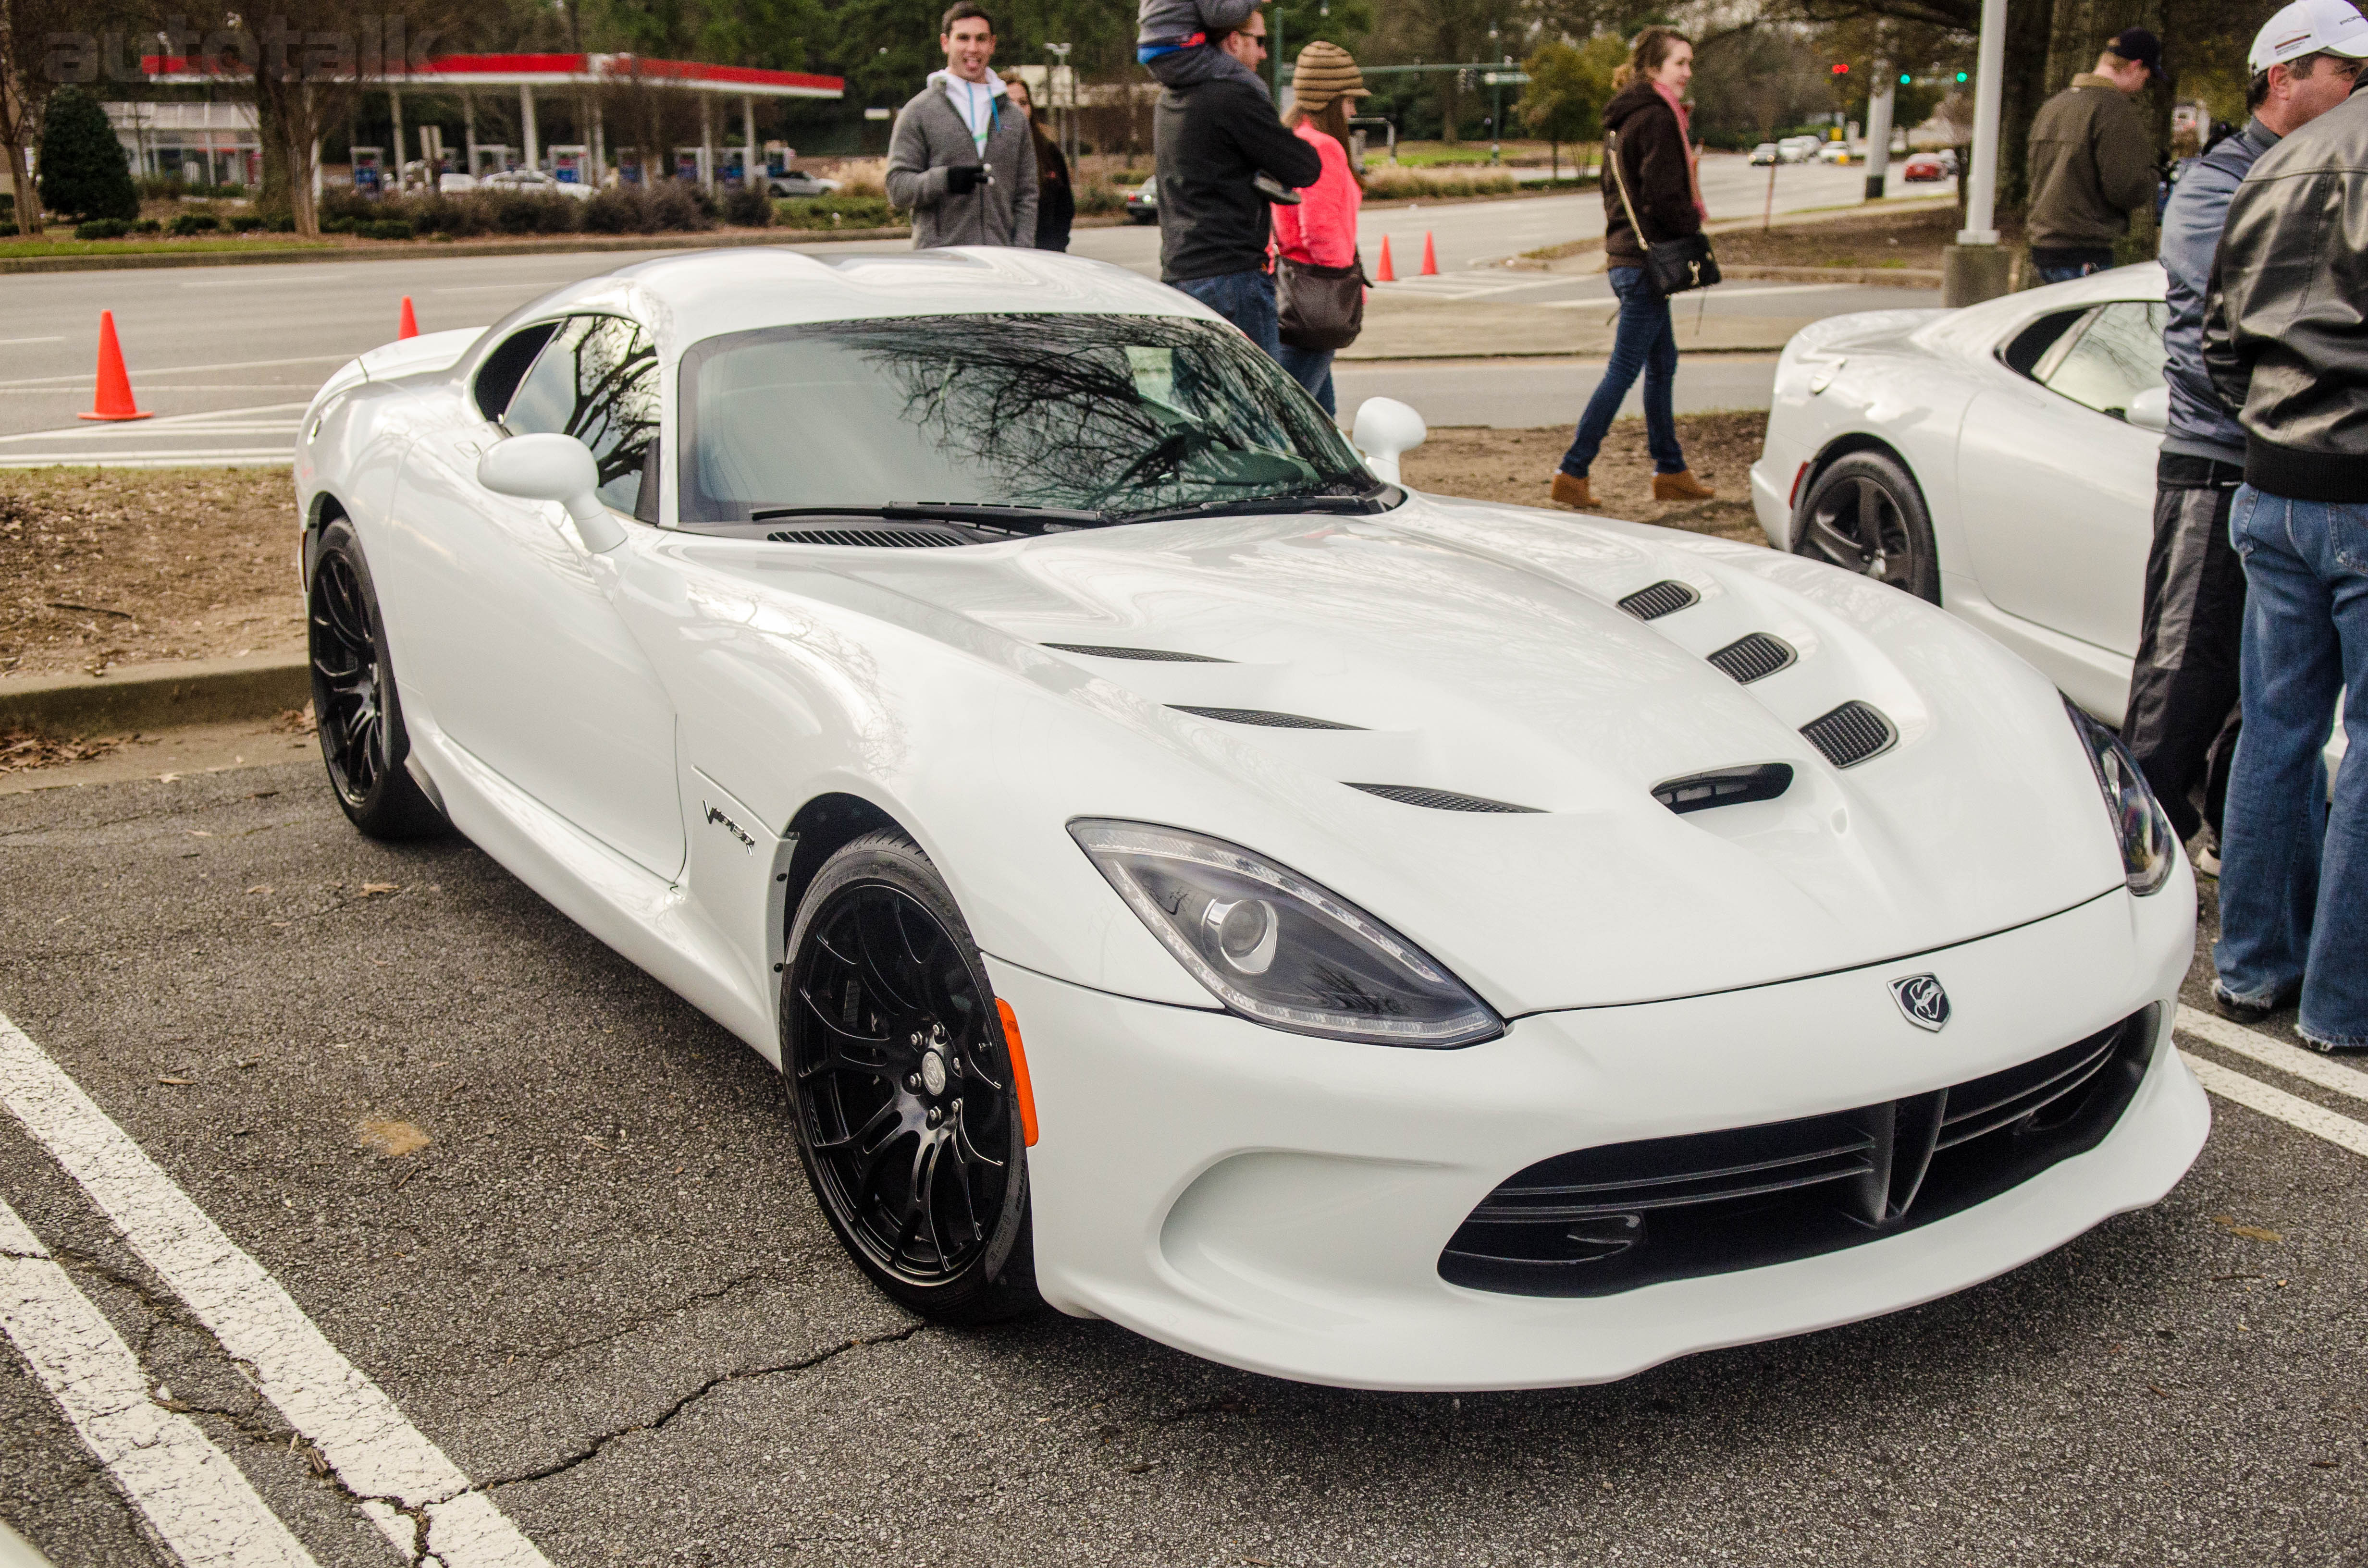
(1865,514)
(902,1090)
(356,708)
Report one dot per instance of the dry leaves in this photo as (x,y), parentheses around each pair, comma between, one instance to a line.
(21,750)
(2250,1233)
(390,1138)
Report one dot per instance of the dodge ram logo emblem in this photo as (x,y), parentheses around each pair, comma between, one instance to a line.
(1921,1001)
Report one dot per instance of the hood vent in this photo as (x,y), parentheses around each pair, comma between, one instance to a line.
(1437,800)
(1156,655)
(1754,657)
(1260,716)
(884,538)
(1666,597)
(1723,787)
(1851,733)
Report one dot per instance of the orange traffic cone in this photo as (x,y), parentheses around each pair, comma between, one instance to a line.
(1429,256)
(1387,274)
(114,394)
(409,326)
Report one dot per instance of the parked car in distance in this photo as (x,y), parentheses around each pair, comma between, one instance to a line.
(1835,153)
(536,182)
(1922,166)
(1763,153)
(1798,149)
(1142,202)
(796,182)
(451,184)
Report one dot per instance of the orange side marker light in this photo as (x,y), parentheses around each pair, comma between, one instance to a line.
(1019,1083)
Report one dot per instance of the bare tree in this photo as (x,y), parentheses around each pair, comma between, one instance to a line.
(27,72)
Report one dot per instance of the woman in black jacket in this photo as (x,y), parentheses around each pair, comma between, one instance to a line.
(1648,116)
(1056,204)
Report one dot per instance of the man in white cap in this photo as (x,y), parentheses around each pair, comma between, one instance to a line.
(2183,713)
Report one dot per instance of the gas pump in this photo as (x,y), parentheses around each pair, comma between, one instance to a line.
(778,156)
(493,158)
(690,163)
(571,165)
(369,171)
(733,160)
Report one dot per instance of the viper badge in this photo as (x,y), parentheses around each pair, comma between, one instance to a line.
(1921,1001)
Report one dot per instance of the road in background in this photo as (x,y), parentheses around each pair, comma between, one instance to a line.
(227,356)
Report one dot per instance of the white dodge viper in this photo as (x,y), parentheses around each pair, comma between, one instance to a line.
(1186,877)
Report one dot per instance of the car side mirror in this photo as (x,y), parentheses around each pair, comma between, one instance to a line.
(1385,429)
(2150,410)
(552,467)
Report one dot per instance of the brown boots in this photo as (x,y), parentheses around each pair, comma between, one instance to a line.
(1570,490)
(1681,486)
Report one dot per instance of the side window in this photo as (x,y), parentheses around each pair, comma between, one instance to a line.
(597,379)
(2110,359)
(498,379)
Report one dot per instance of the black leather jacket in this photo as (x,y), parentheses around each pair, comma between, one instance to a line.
(2286,324)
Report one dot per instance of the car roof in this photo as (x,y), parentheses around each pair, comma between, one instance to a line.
(1979,327)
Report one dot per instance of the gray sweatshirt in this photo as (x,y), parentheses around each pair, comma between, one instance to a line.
(932,136)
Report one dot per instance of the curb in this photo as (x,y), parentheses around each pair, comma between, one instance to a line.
(158,696)
(1868,277)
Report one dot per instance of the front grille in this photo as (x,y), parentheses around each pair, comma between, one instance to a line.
(1599,1222)
(1262,717)
(1723,787)
(1437,800)
(883,539)
(1156,655)
(1851,733)
(1662,599)
(1754,657)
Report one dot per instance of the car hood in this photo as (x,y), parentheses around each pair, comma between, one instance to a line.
(1482,652)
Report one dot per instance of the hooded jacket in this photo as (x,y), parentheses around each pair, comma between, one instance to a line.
(2201,425)
(1213,141)
(1654,160)
(931,137)
(2283,319)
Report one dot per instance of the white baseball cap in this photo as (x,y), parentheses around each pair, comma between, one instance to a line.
(2310,27)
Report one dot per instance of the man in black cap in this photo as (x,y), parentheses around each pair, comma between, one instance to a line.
(2093,161)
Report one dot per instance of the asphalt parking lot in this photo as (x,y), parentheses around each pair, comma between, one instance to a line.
(554,1215)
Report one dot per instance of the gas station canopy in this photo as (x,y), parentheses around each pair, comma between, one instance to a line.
(464,70)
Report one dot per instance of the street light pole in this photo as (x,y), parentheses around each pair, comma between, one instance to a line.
(1975,269)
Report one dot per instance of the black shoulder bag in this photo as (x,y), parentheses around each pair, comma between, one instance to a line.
(1320,307)
(1673,266)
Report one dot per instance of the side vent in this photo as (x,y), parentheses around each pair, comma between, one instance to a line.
(1723,787)
(1260,716)
(1851,733)
(1154,655)
(1666,597)
(1754,657)
(877,538)
(1437,800)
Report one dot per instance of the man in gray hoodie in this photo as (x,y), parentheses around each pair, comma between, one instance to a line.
(960,159)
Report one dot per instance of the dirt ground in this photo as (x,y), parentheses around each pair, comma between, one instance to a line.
(117,566)
(1882,239)
(1519,466)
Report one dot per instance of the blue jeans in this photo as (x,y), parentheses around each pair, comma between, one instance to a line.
(1647,342)
(1312,368)
(1245,298)
(2062,265)
(2294,871)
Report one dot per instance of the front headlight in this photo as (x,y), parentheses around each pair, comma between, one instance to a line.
(2143,831)
(1277,949)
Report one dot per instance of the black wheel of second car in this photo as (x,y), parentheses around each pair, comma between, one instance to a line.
(354,701)
(1864,514)
(906,1099)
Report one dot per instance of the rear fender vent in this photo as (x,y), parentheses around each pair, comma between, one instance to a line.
(1723,787)
(877,538)
(1851,733)
(1755,657)
(1666,597)
(1437,800)
(1261,717)
(1153,656)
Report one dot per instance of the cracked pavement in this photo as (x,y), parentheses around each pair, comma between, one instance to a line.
(600,1288)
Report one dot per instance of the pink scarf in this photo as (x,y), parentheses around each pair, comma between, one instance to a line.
(1685,134)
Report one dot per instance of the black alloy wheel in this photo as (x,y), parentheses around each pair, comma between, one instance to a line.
(354,703)
(1864,514)
(907,1119)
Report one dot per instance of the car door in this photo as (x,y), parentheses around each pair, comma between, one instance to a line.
(528,664)
(2056,487)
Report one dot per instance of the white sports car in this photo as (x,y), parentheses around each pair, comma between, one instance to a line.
(1184,876)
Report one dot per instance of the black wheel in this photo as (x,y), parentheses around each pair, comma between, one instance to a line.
(907,1119)
(1865,515)
(353,701)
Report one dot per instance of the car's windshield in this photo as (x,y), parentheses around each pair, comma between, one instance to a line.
(1117,414)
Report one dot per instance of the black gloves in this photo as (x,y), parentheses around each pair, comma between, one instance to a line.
(963,178)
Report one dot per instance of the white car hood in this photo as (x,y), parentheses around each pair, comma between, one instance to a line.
(1481,650)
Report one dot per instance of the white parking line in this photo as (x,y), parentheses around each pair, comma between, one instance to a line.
(2307,1065)
(191,1495)
(2291,1109)
(350,1422)
(148,372)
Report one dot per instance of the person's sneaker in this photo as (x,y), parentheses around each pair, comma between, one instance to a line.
(1571,490)
(2237,1012)
(2207,864)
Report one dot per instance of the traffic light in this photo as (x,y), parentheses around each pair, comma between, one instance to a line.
(1905,78)
(1840,69)
(1961,76)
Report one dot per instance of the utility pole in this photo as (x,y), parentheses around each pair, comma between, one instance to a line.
(1975,269)
(1878,128)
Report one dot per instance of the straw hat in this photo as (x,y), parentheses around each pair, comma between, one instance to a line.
(1325,71)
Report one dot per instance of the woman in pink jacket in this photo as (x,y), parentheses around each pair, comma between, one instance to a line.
(1322,230)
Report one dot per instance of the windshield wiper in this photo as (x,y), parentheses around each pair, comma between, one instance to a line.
(1011,520)
(1290,500)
